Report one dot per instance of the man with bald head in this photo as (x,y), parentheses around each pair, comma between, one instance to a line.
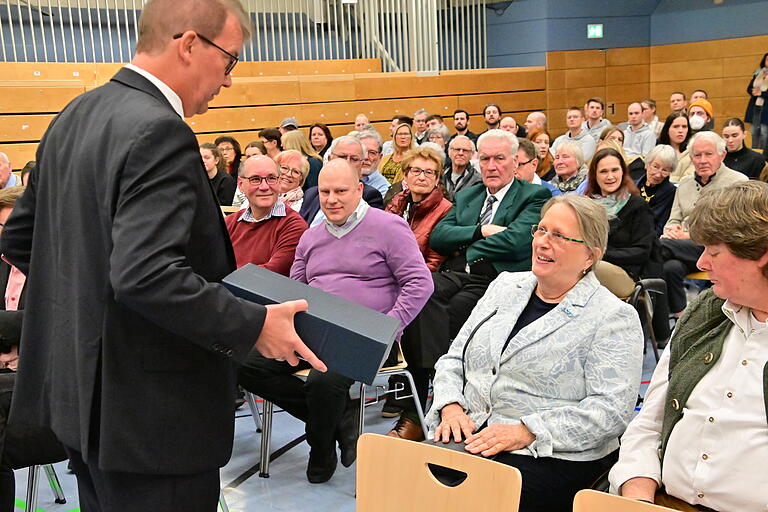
(352,150)
(266,233)
(535,121)
(125,349)
(7,178)
(366,256)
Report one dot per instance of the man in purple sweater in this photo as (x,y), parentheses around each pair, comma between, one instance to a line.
(364,255)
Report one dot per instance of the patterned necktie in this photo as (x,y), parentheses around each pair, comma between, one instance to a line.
(487,214)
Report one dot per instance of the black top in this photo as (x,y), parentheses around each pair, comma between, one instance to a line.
(224,186)
(659,198)
(631,235)
(746,161)
(535,309)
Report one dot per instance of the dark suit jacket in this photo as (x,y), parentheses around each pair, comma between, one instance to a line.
(132,344)
(509,250)
(311,204)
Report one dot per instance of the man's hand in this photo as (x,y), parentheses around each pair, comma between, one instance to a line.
(491,229)
(639,488)
(453,420)
(278,338)
(499,438)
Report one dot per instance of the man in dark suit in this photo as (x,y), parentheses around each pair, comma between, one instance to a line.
(129,343)
(350,149)
(487,232)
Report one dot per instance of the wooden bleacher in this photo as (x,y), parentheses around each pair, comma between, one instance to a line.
(334,92)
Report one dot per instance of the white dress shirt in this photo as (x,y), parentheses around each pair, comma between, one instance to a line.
(499,198)
(169,93)
(716,453)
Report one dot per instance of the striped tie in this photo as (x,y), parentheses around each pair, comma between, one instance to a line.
(487,214)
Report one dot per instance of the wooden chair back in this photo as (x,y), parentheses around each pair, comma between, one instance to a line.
(596,501)
(388,464)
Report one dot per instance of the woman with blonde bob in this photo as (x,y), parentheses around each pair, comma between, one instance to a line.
(294,169)
(699,443)
(544,374)
(570,168)
(297,141)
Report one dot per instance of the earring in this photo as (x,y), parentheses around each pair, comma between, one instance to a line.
(584,272)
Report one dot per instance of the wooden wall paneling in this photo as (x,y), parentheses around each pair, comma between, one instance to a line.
(661,91)
(578,97)
(627,93)
(497,79)
(634,74)
(589,77)
(735,86)
(755,45)
(556,79)
(685,52)
(30,127)
(627,56)
(36,71)
(557,98)
(105,72)
(619,114)
(242,118)
(376,110)
(32,98)
(690,70)
(556,60)
(307,67)
(585,59)
(509,102)
(259,91)
(327,87)
(743,65)
(19,154)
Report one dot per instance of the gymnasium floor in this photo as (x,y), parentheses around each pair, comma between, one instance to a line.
(287,488)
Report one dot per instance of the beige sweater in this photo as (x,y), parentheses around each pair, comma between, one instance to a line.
(689,190)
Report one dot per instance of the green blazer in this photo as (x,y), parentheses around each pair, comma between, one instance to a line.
(509,250)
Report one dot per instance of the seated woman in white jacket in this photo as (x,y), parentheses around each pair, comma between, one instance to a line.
(544,375)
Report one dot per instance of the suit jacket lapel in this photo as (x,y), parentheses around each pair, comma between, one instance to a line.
(471,212)
(132,79)
(509,200)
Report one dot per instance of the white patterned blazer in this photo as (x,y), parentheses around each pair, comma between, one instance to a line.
(571,376)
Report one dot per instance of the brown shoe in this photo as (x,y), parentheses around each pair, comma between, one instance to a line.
(407,429)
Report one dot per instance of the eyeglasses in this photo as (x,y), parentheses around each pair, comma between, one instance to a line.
(461,150)
(659,168)
(520,164)
(257,180)
(372,153)
(293,172)
(429,173)
(349,158)
(538,232)
(233,59)
(226,148)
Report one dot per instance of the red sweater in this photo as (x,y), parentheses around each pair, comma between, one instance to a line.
(270,244)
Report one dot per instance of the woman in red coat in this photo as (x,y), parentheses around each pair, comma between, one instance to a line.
(422,203)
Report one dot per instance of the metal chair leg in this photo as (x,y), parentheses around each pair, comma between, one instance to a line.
(417,402)
(53,481)
(32,485)
(222,502)
(651,334)
(254,410)
(266,433)
(361,417)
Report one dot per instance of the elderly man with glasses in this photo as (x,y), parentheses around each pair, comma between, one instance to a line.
(461,173)
(351,149)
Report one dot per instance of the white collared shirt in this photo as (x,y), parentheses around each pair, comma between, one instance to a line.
(499,198)
(351,223)
(169,93)
(716,453)
(278,210)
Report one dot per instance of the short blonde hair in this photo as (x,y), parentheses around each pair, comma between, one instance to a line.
(736,216)
(422,152)
(574,149)
(592,220)
(8,196)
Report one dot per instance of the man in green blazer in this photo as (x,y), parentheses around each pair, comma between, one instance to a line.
(487,232)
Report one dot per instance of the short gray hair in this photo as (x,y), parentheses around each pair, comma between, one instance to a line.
(663,153)
(592,220)
(500,135)
(369,134)
(441,132)
(4,158)
(462,137)
(710,137)
(419,112)
(347,139)
(573,148)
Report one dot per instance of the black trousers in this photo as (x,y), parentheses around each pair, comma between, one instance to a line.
(319,402)
(429,335)
(680,257)
(102,491)
(549,484)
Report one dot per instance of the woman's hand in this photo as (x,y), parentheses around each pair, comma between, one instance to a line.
(453,420)
(11,359)
(499,438)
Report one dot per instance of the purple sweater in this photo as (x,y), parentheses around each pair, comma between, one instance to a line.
(378,265)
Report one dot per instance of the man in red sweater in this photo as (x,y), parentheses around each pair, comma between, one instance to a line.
(266,233)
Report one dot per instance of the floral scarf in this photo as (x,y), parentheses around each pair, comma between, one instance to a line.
(612,203)
(571,184)
(292,196)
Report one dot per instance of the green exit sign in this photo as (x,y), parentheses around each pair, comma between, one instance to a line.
(595,31)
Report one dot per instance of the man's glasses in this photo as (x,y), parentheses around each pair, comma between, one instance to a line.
(257,180)
(353,159)
(461,150)
(233,59)
(429,173)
